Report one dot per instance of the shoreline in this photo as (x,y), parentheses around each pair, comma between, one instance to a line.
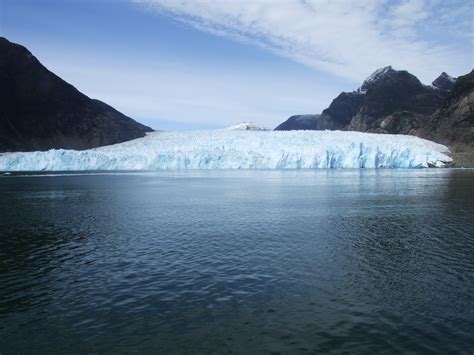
(462,160)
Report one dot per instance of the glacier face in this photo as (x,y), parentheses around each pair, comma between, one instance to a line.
(236,149)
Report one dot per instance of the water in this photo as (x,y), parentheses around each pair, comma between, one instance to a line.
(359,261)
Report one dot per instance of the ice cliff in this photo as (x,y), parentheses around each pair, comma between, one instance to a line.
(237,149)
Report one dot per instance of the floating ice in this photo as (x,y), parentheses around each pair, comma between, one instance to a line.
(236,149)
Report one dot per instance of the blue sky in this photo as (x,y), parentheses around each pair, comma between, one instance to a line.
(206,64)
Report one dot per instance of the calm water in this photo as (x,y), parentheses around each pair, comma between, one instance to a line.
(370,261)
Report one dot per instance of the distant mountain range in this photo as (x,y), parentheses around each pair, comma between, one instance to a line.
(40,111)
(395,101)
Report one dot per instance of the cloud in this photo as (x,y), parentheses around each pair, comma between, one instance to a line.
(342,37)
(405,15)
(171,95)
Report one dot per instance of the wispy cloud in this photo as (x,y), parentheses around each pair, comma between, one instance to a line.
(343,37)
(405,15)
(168,94)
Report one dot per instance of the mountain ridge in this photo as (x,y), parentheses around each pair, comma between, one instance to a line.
(41,111)
(396,102)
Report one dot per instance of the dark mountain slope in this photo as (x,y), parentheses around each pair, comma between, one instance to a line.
(339,113)
(299,122)
(454,121)
(395,101)
(444,82)
(40,111)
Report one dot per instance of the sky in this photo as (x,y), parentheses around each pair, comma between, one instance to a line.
(175,64)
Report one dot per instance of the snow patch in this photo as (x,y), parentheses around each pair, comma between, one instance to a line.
(246,126)
(375,76)
(448,77)
(444,82)
(238,149)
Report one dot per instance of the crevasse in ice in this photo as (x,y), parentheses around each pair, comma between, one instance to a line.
(237,149)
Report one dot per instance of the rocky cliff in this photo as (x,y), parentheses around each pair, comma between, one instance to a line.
(454,121)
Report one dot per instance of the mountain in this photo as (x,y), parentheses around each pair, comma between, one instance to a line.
(444,82)
(341,109)
(40,111)
(396,102)
(297,122)
(335,117)
(454,120)
(387,100)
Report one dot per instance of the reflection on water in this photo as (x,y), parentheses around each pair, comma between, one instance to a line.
(240,261)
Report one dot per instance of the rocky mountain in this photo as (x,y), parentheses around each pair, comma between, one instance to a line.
(395,101)
(335,117)
(40,111)
(379,74)
(296,122)
(454,120)
(341,109)
(388,98)
(444,82)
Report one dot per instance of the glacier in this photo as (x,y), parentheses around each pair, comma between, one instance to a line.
(247,126)
(240,149)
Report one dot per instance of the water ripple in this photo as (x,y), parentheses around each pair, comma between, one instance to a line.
(259,262)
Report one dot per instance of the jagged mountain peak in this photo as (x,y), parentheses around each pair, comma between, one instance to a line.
(447,76)
(376,76)
(444,82)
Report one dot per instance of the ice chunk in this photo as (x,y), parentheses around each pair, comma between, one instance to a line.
(236,149)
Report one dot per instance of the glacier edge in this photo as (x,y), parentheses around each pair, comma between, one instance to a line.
(234,149)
